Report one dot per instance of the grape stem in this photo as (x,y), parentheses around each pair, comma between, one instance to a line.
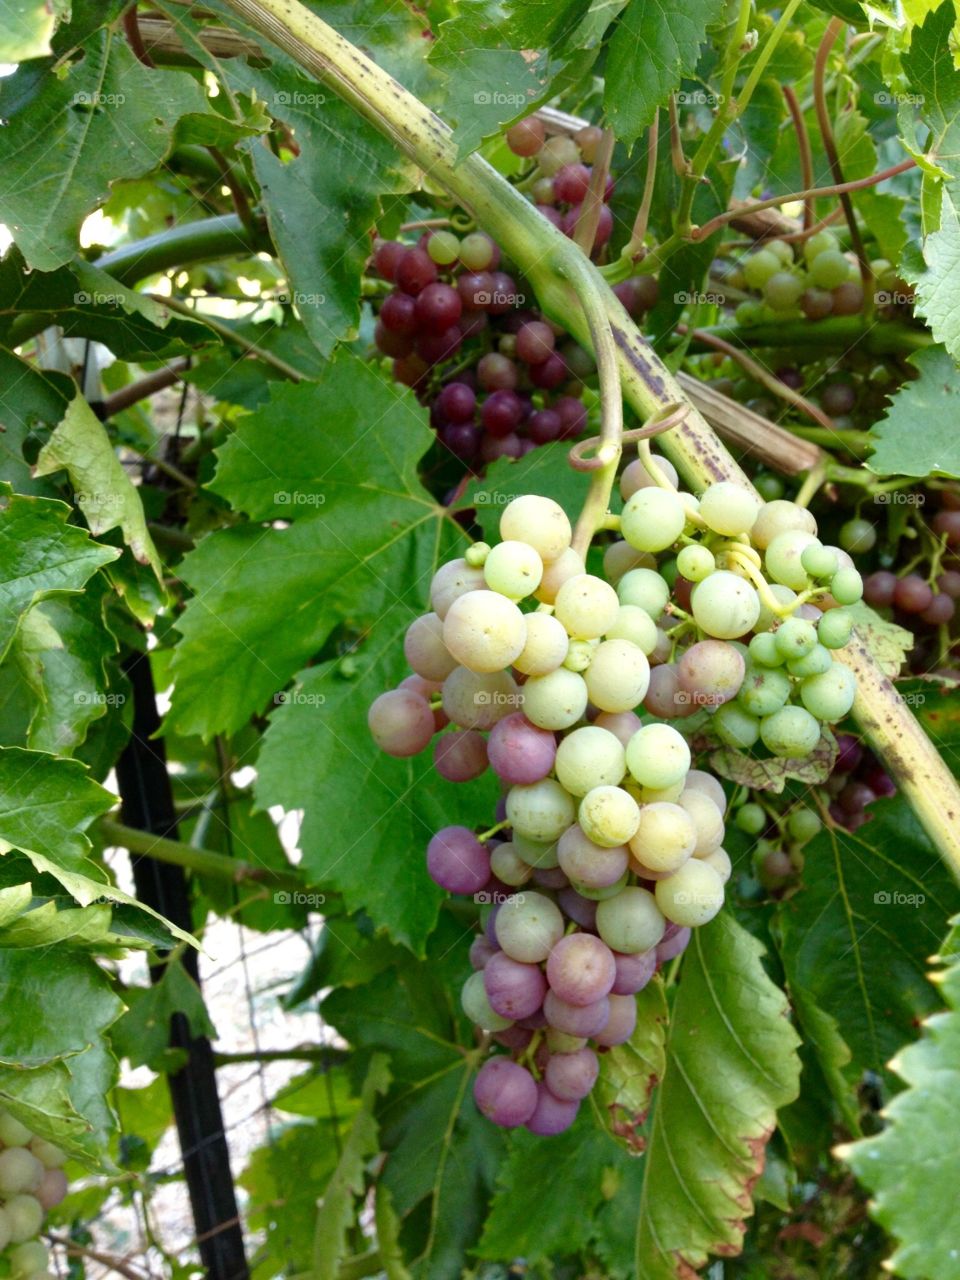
(539,248)
(588,220)
(492,831)
(635,247)
(806,153)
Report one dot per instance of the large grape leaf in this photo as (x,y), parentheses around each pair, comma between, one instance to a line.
(932,399)
(86,302)
(364,540)
(915,1162)
(655,44)
(366,837)
(55,1006)
(40,556)
(856,937)
(103,490)
(936,291)
(731,1063)
(935,89)
(143,1033)
(69,134)
(26,27)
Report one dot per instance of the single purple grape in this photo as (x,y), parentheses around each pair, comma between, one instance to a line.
(621,1024)
(571,1076)
(633,972)
(576,1019)
(519,753)
(551,1115)
(581,969)
(505,1092)
(457,861)
(515,990)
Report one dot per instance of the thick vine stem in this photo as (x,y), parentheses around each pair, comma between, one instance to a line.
(543,252)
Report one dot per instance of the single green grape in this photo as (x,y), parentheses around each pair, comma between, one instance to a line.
(782,291)
(803,824)
(764,690)
(814,663)
(763,648)
(444,248)
(819,561)
(829,696)
(795,638)
(751,819)
(846,586)
(759,267)
(735,726)
(829,269)
(835,628)
(790,732)
(769,486)
(821,242)
(858,536)
(696,563)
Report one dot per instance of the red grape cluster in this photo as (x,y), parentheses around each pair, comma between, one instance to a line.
(857,780)
(465,334)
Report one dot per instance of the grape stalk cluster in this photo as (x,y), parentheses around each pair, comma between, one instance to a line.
(607,848)
(32,1182)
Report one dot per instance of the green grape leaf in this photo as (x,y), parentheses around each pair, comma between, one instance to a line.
(933,398)
(26,27)
(337,1206)
(103,489)
(856,937)
(887,642)
(379,802)
(929,68)
(55,1007)
(362,524)
(881,210)
(40,556)
(143,1033)
(935,302)
(102,117)
(630,1072)
(774,773)
(731,1063)
(909,1165)
(31,399)
(654,45)
(85,302)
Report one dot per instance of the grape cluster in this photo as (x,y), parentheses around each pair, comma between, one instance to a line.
(780,837)
(561,176)
(32,1181)
(464,333)
(602,811)
(614,848)
(858,778)
(823,281)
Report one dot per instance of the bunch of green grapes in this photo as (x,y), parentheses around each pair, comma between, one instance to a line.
(820,281)
(32,1182)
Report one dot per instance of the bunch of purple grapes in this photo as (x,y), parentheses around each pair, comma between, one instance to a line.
(466,335)
(857,780)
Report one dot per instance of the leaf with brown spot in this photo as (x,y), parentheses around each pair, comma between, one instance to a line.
(773,774)
(630,1072)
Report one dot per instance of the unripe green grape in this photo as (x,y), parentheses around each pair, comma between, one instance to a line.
(665,837)
(783,251)
(561,1042)
(546,645)
(476,554)
(555,701)
(707,820)
(28,1259)
(735,726)
(540,522)
(763,649)
(618,676)
(830,696)
(724,605)
(556,153)
(13,1133)
(645,589)
(759,267)
(609,816)
(803,824)
(653,519)
(795,638)
(600,893)
(588,758)
(579,655)
(719,860)
(658,756)
(49,1155)
(619,558)
(782,558)
(835,629)
(637,626)
(539,853)
(819,561)
(484,631)
(749,312)
(768,486)
(820,242)
(780,516)
(476,251)
(729,508)
(751,818)
(444,248)
(764,690)
(631,922)
(476,1006)
(846,586)
(475,701)
(656,795)
(20,1170)
(528,927)
(541,810)
(829,269)
(790,732)
(587,606)
(507,865)
(25,1214)
(696,563)
(567,565)
(691,896)
(782,291)
(814,663)
(783,596)
(857,536)
(514,569)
